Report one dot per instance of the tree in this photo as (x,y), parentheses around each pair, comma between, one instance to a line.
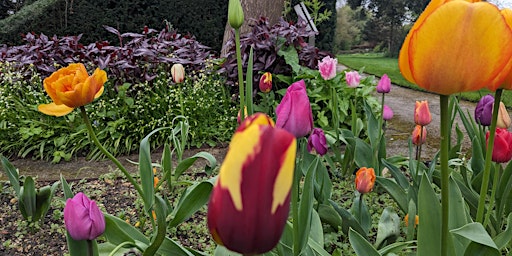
(348,28)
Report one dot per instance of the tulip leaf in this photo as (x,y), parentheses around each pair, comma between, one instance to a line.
(476,249)
(348,220)
(363,154)
(171,247)
(329,215)
(27,201)
(481,242)
(306,204)
(504,192)
(397,174)
(396,247)
(317,232)
(395,191)
(373,130)
(185,164)
(192,199)
(13,175)
(167,164)
(161,215)
(79,247)
(117,231)
(66,188)
(44,199)
(323,184)
(389,227)
(502,239)
(248,83)
(429,228)
(477,156)
(360,245)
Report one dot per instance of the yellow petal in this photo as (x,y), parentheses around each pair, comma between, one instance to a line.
(53,109)
(447,54)
(283,181)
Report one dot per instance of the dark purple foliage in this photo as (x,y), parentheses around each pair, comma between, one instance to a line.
(138,58)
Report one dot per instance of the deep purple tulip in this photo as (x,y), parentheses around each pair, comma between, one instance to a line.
(317,142)
(387,113)
(294,112)
(483,110)
(384,85)
(83,218)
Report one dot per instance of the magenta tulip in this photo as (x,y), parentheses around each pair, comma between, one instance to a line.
(387,113)
(317,142)
(384,85)
(327,67)
(294,112)
(83,218)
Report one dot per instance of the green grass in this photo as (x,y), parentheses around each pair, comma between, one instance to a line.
(376,64)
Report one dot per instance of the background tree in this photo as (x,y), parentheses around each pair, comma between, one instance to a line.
(349,26)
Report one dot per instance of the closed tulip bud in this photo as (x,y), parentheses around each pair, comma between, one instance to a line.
(82,218)
(387,113)
(422,115)
(250,201)
(235,14)
(294,112)
(419,137)
(317,142)
(503,117)
(266,82)
(365,180)
(72,87)
(353,78)
(483,110)
(178,73)
(327,67)
(502,150)
(384,85)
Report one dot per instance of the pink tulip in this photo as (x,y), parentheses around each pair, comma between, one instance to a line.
(294,112)
(327,67)
(83,218)
(352,79)
(387,113)
(384,85)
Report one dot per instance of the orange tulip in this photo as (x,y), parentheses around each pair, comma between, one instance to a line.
(422,115)
(72,87)
(457,46)
(417,137)
(365,180)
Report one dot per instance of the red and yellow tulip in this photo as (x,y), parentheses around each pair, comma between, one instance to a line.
(71,87)
(250,201)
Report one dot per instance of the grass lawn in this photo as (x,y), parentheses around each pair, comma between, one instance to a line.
(376,64)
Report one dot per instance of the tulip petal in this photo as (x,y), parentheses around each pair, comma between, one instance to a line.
(284,179)
(53,109)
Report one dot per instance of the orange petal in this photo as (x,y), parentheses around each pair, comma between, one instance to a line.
(53,109)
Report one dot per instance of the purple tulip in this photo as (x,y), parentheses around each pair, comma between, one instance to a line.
(83,218)
(317,141)
(387,113)
(384,85)
(327,67)
(353,78)
(483,110)
(294,112)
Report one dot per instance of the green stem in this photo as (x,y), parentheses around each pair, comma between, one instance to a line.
(83,113)
(240,74)
(418,154)
(295,210)
(361,208)
(493,193)
(445,174)
(488,158)
(90,248)
(381,132)
(334,101)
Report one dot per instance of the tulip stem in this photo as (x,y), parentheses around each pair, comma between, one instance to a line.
(240,74)
(445,174)
(381,133)
(83,113)
(336,122)
(493,193)
(488,158)
(295,210)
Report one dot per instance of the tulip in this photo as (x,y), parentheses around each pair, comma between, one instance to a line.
(503,117)
(239,118)
(266,82)
(418,137)
(250,201)
(235,14)
(327,67)
(71,87)
(416,220)
(352,79)
(365,180)
(294,112)
(384,85)
(444,48)
(83,218)
(317,142)
(483,110)
(178,73)
(502,149)
(422,115)
(387,113)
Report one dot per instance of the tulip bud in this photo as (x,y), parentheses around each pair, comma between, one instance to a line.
(353,78)
(250,201)
(266,82)
(235,14)
(365,180)
(178,73)
(483,110)
(83,218)
(317,142)
(327,67)
(384,85)
(503,117)
(294,112)
(419,137)
(422,114)
(387,113)
(239,118)
(502,150)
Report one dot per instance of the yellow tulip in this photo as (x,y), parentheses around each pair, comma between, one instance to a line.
(71,87)
(457,46)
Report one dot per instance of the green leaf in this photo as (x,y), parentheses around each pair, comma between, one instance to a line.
(348,220)
(248,83)
(397,174)
(323,185)
(475,232)
(504,192)
(363,154)
(66,188)
(161,215)
(360,245)
(429,228)
(167,164)
(12,174)
(306,204)
(329,215)
(395,247)
(171,247)
(388,229)
(502,239)
(291,57)
(476,249)
(117,231)
(317,232)
(43,200)
(76,247)
(185,164)
(27,201)
(193,198)
(395,191)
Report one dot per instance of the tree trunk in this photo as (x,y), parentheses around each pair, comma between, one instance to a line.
(272,9)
